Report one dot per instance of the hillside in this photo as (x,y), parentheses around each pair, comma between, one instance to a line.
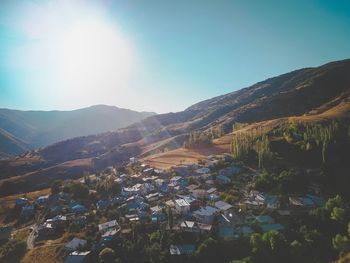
(23,130)
(310,94)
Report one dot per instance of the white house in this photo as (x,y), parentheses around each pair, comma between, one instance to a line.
(182,206)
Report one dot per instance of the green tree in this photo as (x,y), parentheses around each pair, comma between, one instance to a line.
(12,250)
(206,252)
(107,255)
(56,187)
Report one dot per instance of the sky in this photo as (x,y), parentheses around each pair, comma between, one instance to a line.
(158,55)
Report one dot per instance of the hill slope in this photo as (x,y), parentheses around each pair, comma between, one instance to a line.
(23,130)
(311,94)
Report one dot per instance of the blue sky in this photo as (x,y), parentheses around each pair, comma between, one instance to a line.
(158,55)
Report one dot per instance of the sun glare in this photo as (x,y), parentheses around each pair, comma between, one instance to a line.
(92,57)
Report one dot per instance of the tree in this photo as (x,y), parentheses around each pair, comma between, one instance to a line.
(155,253)
(338,214)
(206,252)
(12,250)
(243,260)
(77,189)
(106,255)
(115,188)
(170,218)
(56,187)
(341,243)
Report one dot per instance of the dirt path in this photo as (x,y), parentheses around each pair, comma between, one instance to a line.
(34,233)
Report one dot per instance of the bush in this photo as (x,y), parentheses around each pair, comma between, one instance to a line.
(13,250)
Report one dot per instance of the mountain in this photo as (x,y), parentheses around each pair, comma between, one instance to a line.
(320,94)
(24,130)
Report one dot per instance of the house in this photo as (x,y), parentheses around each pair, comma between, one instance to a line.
(77,208)
(272,202)
(5,233)
(64,197)
(182,170)
(194,203)
(137,206)
(159,182)
(150,179)
(223,206)
(142,215)
(202,170)
(27,211)
(158,216)
(75,244)
(264,219)
(170,203)
(42,200)
(229,171)
(133,160)
(206,214)
(222,179)
(228,232)
(156,209)
(56,210)
(21,201)
(102,204)
(176,250)
(213,197)
(176,180)
(109,229)
(77,257)
(318,201)
(211,190)
(59,220)
(148,170)
(192,187)
(153,197)
(301,202)
(132,217)
(47,228)
(199,193)
(209,183)
(135,199)
(164,188)
(205,176)
(117,200)
(195,227)
(80,221)
(148,188)
(133,190)
(244,230)
(213,163)
(182,206)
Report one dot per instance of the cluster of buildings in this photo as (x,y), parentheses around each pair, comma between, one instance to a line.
(187,198)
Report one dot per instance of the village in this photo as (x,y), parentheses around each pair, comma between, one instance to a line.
(212,198)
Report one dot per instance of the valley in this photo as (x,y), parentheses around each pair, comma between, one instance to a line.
(256,174)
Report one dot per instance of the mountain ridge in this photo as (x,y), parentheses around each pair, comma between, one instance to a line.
(310,94)
(36,128)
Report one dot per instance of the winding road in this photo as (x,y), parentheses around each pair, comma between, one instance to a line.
(34,233)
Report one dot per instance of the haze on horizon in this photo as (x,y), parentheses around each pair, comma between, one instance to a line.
(158,55)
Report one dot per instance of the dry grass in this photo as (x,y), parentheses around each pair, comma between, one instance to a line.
(48,251)
(8,202)
(44,254)
(188,156)
(22,233)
